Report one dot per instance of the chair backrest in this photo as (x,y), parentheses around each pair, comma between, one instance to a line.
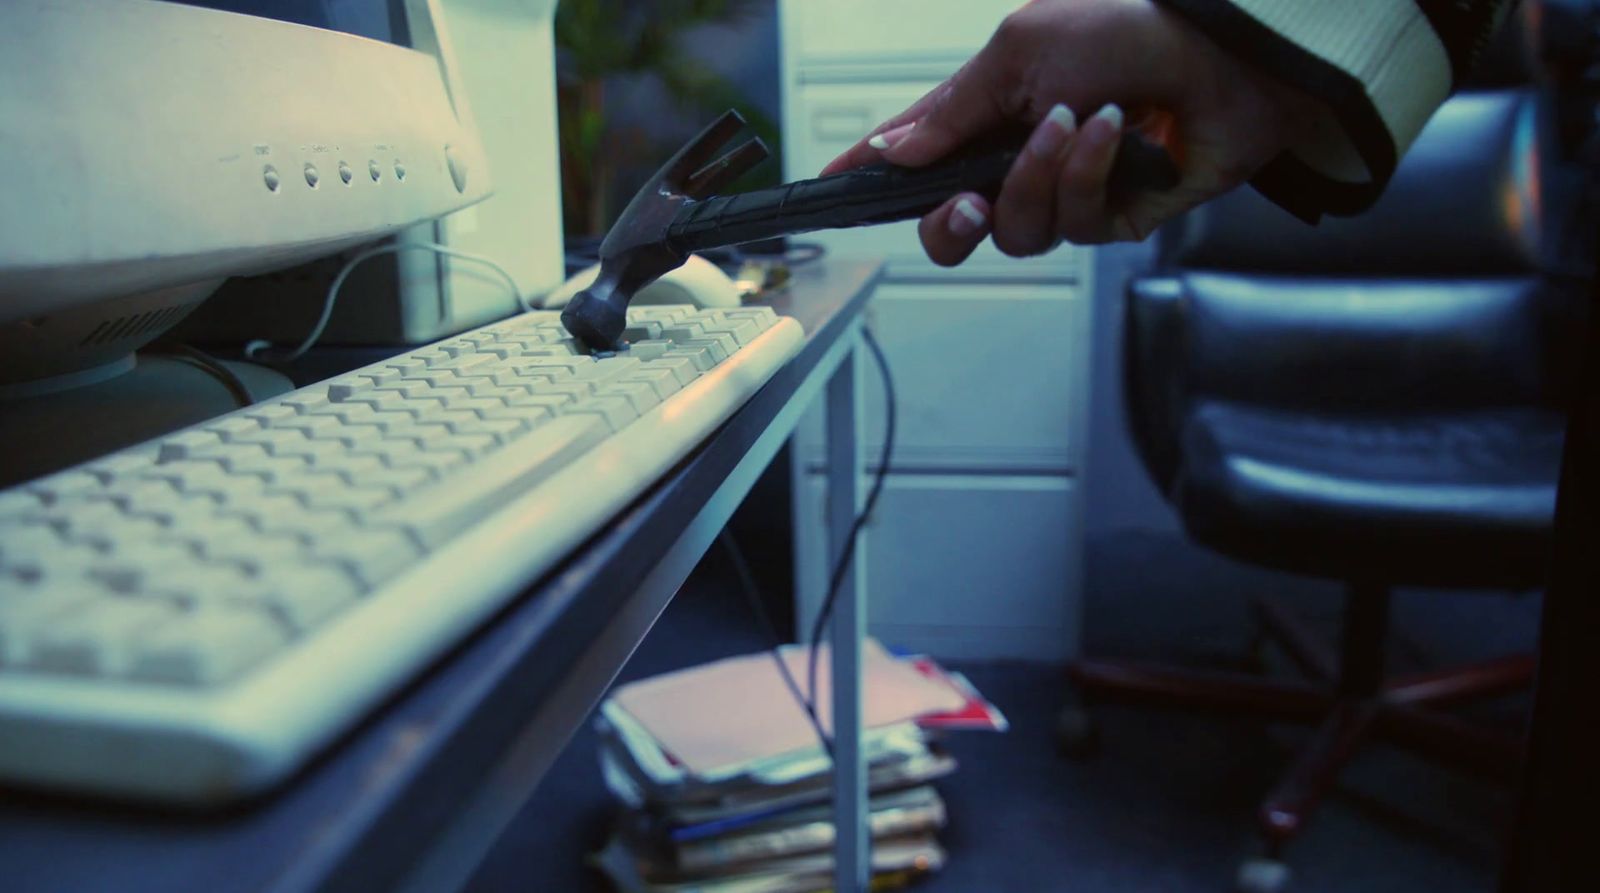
(1464,202)
(1433,300)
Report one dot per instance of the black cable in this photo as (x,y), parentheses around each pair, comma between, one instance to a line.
(891,413)
(747,583)
(197,357)
(802,253)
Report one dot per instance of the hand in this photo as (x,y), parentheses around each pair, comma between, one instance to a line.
(1069,68)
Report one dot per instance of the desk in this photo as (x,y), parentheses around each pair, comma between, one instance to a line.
(413,798)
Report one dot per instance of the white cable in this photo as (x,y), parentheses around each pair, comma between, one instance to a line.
(255,348)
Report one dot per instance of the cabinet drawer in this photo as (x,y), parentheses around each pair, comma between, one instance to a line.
(827,119)
(970,567)
(824,31)
(987,377)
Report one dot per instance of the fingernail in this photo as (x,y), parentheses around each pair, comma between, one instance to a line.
(890,137)
(1112,113)
(1053,132)
(967,221)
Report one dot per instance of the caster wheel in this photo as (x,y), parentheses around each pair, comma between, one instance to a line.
(1076,735)
(1262,876)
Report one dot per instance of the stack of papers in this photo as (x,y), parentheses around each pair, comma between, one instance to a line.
(725,787)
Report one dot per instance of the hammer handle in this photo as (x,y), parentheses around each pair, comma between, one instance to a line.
(883,193)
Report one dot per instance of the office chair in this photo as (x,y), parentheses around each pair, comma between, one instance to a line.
(1373,401)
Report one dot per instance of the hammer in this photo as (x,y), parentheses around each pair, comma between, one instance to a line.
(677,212)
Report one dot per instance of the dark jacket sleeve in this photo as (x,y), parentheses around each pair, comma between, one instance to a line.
(1379,67)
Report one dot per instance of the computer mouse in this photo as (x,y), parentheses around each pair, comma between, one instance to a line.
(699,282)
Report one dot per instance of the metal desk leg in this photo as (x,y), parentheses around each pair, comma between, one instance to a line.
(849,627)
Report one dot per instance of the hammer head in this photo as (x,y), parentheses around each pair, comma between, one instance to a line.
(636,250)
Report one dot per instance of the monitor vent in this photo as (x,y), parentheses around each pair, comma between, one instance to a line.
(134,324)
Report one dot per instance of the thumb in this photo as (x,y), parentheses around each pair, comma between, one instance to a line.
(963,107)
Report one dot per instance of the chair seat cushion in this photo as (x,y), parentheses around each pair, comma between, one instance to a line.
(1465,498)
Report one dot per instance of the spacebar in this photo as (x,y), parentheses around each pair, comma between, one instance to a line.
(438,512)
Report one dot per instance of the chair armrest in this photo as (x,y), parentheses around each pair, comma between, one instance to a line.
(1362,345)
(1154,376)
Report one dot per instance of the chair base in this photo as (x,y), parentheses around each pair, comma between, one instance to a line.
(1345,698)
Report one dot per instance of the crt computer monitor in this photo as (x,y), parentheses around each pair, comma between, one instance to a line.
(503,61)
(154,149)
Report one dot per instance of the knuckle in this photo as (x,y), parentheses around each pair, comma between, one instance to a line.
(1012,31)
(1014,244)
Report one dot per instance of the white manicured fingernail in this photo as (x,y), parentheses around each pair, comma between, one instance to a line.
(967,220)
(1058,126)
(1113,113)
(888,138)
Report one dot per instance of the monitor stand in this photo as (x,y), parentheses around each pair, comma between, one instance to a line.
(80,382)
(156,394)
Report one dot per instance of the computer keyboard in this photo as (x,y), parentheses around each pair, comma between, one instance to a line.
(189,619)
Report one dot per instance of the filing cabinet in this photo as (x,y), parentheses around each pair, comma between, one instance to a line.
(974,550)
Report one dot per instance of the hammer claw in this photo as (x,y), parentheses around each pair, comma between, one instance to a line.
(718,174)
(699,152)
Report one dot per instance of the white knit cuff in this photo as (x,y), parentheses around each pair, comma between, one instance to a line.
(1386,45)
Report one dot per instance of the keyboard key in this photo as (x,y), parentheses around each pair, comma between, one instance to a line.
(24,614)
(354,499)
(102,522)
(196,477)
(20,504)
(662,381)
(436,512)
(96,639)
(464,357)
(434,462)
(22,544)
(306,400)
(206,646)
(535,406)
(195,583)
(64,487)
(271,413)
(373,555)
(713,347)
(692,334)
(596,374)
(639,394)
(645,330)
(396,481)
(291,517)
(743,331)
(649,349)
(766,317)
(616,411)
(307,596)
(138,566)
(230,427)
(125,462)
(700,356)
